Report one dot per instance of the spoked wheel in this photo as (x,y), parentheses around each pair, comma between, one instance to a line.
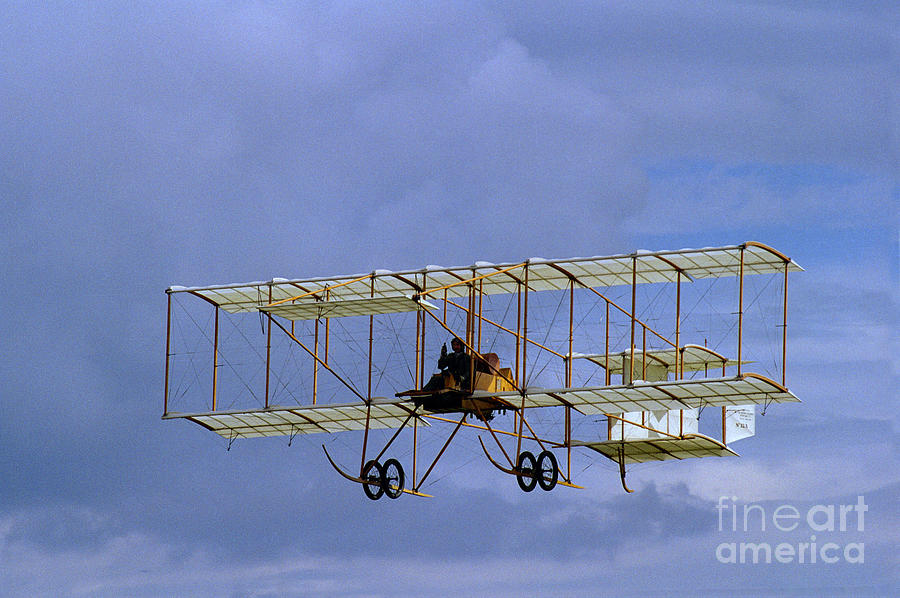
(547,470)
(373,474)
(526,471)
(392,478)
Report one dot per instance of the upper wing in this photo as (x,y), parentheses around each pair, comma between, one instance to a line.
(541,275)
(309,419)
(314,310)
(693,358)
(746,389)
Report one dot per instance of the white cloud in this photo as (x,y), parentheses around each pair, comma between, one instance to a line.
(633,559)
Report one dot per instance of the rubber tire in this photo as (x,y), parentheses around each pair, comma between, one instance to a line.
(374,473)
(397,476)
(529,481)
(554,472)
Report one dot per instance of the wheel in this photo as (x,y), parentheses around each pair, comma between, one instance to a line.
(373,473)
(526,471)
(548,470)
(392,478)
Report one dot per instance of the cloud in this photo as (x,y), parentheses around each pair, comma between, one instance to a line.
(780,83)
(695,197)
(794,456)
(630,545)
(130,554)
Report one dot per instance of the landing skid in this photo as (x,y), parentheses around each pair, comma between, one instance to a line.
(622,469)
(360,480)
(523,474)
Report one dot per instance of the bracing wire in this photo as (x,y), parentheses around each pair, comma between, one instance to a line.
(746,308)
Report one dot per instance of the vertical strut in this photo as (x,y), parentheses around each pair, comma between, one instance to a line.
(740,316)
(215,380)
(606,354)
(168,348)
(327,339)
(327,331)
(418,350)
(415,455)
(570,366)
(470,331)
(525,332)
(784,329)
(518,330)
(421,363)
(678,355)
(644,352)
(609,423)
(523,382)
(362,461)
(723,425)
(422,356)
(633,315)
(480,317)
(569,360)
(315,383)
(268,346)
(371,333)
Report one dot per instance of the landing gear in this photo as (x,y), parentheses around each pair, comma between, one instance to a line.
(373,474)
(547,470)
(392,478)
(525,471)
(530,471)
(384,479)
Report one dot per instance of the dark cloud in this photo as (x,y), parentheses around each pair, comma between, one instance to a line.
(724,82)
(289,516)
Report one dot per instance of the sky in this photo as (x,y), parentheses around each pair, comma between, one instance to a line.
(150,144)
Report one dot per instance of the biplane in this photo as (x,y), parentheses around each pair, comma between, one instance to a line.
(606,345)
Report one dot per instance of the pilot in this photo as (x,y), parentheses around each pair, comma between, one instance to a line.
(458,364)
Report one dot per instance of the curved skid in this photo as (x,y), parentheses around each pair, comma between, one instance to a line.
(415,493)
(622,470)
(359,480)
(341,471)
(561,482)
(491,459)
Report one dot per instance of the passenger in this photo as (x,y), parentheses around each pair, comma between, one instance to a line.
(458,364)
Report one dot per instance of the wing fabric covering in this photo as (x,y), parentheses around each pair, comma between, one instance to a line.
(312,310)
(746,389)
(543,275)
(310,419)
(693,358)
(660,449)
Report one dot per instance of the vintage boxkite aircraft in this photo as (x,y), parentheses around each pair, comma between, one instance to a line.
(597,342)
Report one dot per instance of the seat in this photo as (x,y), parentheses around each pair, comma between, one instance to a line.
(486,371)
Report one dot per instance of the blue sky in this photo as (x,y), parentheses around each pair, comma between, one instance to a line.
(152,144)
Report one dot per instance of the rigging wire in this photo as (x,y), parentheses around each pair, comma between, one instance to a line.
(178,391)
(746,309)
